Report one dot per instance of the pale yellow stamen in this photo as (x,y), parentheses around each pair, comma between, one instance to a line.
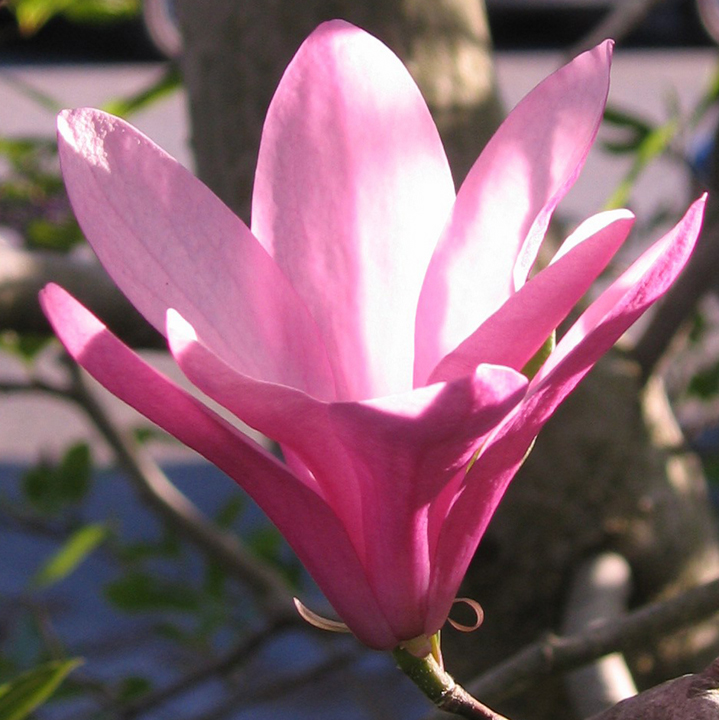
(318,621)
(479,613)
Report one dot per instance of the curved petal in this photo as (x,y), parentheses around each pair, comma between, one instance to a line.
(513,334)
(401,451)
(378,463)
(504,206)
(167,241)
(292,418)
(601,325)
(618,307)
(351,193)
(300,513)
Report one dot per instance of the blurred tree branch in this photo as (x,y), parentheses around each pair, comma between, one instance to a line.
(621,21)
(23,273)
(698,278)
(556,654)
(161,495)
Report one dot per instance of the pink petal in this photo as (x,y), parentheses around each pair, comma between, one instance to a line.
(167,241)
(504,206)
(378,463)
(351,193)
(300,513)
(513,334)
(601,325)
(401,451)
(292,418)
(604,322)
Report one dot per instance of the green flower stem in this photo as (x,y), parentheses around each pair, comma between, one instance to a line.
(440,687)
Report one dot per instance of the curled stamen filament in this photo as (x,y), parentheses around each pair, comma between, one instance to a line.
(318,621)
(479,613)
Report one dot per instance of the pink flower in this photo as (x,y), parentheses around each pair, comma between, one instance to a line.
(371,322)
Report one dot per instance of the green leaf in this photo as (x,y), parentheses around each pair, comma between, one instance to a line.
(215,578)
(140,592)
(540,357)
(633,130)
(24,346)
(70,555)
(267,544)
(20,696)
(705,384)
(134,552)
(50,487)
(230,512)
(650,148)
(33,14)
(59,235)
(168,83)
(626,119)
(133,687)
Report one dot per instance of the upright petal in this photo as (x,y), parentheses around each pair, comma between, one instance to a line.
(351,193)
(298,511)
(515,332)
(401,451)
(504,206)
(167,241)
(590,337)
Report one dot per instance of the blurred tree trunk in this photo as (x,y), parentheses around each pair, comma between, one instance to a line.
(609,471)
(236,51)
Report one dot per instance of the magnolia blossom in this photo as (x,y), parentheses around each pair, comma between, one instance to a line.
(372,322)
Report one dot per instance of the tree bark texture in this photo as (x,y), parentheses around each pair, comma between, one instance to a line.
(609,472)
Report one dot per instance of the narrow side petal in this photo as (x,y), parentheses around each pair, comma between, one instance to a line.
(513,334)
(168,241)
(504,206)
(351,193)
(401,451)
(601,325)
(618,307)
(300,513)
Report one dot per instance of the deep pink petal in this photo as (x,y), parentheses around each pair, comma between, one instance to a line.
(167,241)
(616,309)
(300,513)
(292,418)
(351,193)
(401,451)
(601,325)
(504,206)
(513,334)
(378,463)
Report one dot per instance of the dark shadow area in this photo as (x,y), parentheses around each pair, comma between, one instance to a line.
(515,25)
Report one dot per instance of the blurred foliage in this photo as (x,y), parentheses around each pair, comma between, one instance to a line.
(21,695)
(167,83)
(33,14)
(646,142)
(24,346)
(33,201)
(145,592)
(705,383)
(52,487)
(70,555)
